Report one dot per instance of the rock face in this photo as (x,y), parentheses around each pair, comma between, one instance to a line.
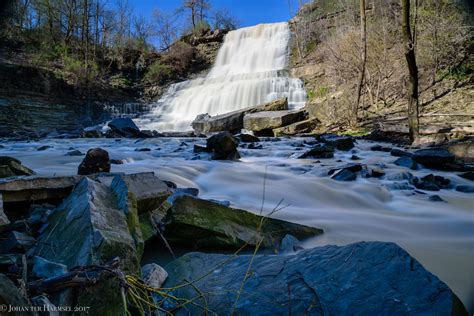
(89,228)
(10,167)
(206,224)
(224,146)
(262,121)
(154,275)
(367,278)
(124,127)
(233,121)
(96,160)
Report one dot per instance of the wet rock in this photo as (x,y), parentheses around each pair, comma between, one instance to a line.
(142,149)
(233,121)
(433,157)
(74,153)
(148,190)
(344,175)
(116,162)
(400,176)
(127,203)
(200,223)
(43,148)
(407,162)
(10,295)
(380,148)
(10,167)
(354,157)
(344,143)
(92,132)
(352,167)
(440,181)
(201,149)
(372,278)
(399,186)
(43,269)
(96,160)
(16,242)
(170,184)
(320,151)
(270,120)
(377,173)
(400,153)
(290,244)
(426,185)
(436,198)
(124,127)
(247,138)
(465,188)
(45,304)
(89,228)
(468,175)
(224,146)
(154,275)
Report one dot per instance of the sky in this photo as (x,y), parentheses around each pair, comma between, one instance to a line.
(248,12)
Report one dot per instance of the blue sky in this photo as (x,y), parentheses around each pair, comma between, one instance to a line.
(248,12)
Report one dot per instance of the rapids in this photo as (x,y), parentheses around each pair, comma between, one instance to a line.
(250,69)
(439,234)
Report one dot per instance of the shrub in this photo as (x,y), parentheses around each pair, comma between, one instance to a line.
(158,73)
(78,72)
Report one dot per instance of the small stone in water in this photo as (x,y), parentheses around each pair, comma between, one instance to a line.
(436,198)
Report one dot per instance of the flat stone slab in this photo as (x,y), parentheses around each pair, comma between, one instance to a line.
(234,120)
(297,128)
(273,119)
(365,278)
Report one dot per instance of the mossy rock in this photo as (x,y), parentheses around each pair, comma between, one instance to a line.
(205,224)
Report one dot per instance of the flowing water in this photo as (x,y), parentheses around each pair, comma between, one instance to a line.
(250,69)
(439,234)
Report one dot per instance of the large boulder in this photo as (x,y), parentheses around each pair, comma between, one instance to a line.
(233,121)
(201,223)
(124,127)
(224,146)
(265,121)
(344,143)
(319,151)
(366,278)
(96,160)
(433,157)
(10,167)
(89,228)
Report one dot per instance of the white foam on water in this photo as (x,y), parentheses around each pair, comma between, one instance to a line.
(250,69)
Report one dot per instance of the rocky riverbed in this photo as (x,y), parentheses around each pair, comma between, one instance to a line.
(361,193)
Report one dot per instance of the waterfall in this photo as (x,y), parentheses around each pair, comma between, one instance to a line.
(250,69)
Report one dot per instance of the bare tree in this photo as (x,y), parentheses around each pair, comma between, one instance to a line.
(413,123)
(165,29)
(363,38)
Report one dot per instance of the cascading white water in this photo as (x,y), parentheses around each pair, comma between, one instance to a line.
(250,69)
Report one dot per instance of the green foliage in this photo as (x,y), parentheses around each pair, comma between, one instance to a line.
(158,73)
(320,92)
(78,71)
(357,132)
(459,73)
(119,81)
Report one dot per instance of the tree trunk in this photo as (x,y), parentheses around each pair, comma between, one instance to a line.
(363,38)
(413,123)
